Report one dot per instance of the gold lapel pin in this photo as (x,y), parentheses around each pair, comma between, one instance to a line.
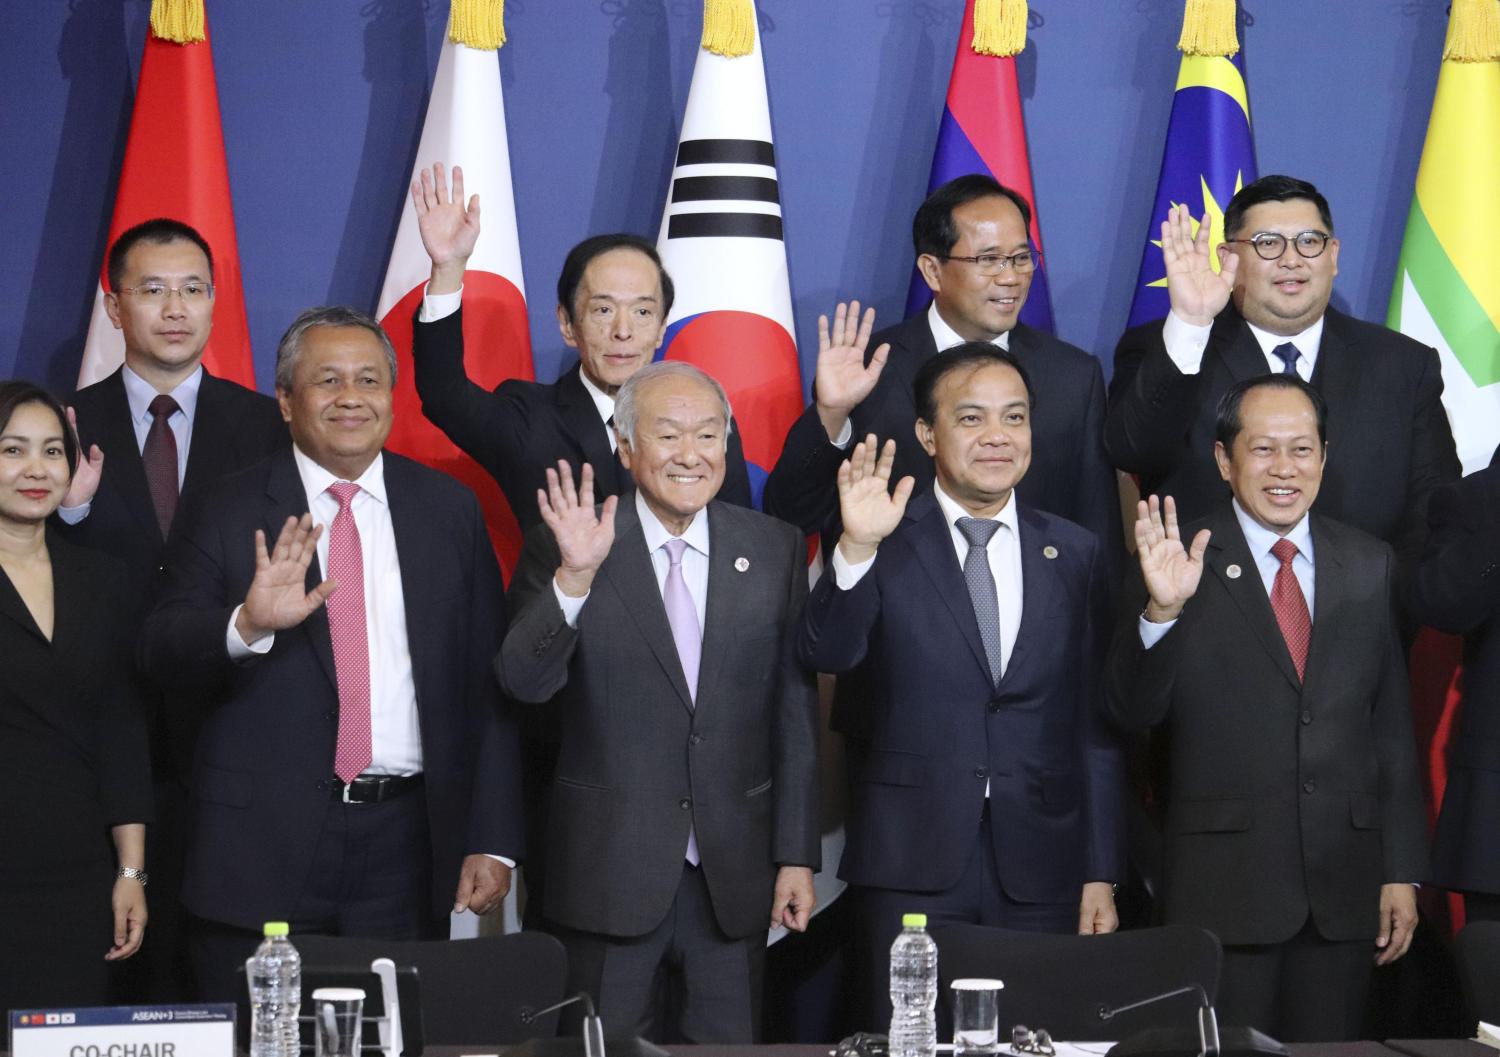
(1049,551)
(741,564)
(1233,572)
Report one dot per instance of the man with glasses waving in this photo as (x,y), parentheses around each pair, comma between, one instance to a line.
(1258,304)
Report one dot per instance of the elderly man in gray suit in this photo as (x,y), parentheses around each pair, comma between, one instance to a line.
(684,808)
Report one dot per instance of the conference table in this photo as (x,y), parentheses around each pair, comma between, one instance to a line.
(1393,1048)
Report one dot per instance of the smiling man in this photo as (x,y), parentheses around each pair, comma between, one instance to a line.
(1268,647)
(1257,304)
(335,609)
(991,792)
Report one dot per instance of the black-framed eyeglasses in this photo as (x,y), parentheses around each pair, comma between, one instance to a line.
(1024,1040)
(995,263)
(1270,245)
(157,293)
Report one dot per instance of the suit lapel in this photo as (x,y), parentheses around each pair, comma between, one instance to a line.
(418,553)
(1237,346)
(932,539)
(719,623)
(1038,580)
(580,416)
(628,570)
(122,453)
(1331,588)
(1233,566)
(13,608)
(286,498)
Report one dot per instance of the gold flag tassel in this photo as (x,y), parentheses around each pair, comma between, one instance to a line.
(1474,31)
(728,27)
(477,24)
(179,21)
(1208,28)
(999,27)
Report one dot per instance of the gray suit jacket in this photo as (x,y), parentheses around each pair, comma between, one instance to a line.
(638,761)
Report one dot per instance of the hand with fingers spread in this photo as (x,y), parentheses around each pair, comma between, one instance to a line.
(1171,571)
(278,597)
(1198,293)
(86,472)
(843,380)
(583,536)
(869,509)
(448,229)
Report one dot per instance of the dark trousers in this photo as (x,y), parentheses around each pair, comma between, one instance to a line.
(160,971)
(977,899)
(369,878)
(1307,989)
(717,979)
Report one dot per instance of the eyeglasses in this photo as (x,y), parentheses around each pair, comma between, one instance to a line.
(995,263)
(1024,1040)
(192,292)
(1269,245)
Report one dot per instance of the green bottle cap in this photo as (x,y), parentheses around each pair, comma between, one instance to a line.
(280,928)
(908,921)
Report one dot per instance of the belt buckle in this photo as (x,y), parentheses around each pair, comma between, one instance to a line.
(347,786)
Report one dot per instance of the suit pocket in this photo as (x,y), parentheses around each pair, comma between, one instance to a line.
(220,786)
(886,767)
(1364,811)
(763,787)
(1227,814)
(1059,792)
(574,783)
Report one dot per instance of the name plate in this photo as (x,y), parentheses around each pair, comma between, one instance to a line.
(124,1031)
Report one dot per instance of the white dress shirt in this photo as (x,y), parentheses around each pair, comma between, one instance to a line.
(138,396)
(1186,344)
(1260,541)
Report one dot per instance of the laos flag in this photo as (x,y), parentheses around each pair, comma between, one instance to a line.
(721,241)
(982,131)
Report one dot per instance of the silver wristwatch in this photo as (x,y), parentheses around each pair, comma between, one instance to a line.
(132,873)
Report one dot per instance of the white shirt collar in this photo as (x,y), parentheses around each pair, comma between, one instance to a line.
(1261,539)
(656,533)
(602,400)
(1307,341)
(945,337)
(139,393)
(316,479)
(952,510)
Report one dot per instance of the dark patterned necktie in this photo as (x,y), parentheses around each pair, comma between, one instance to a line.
(981,581)
(1287,353)
(1290,606)
(159,457)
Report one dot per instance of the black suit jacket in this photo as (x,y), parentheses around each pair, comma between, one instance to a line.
(1069,475)
(233,428)
(262,775)
(1286,798)
(1388,437)
(941,729)
(640,759)
(521,429)
(1457,589)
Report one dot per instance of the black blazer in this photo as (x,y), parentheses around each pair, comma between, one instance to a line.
(1457,589)
(1069,475)
(262,776)
(1388,437)
(233,427)
(940,729)
(1286,798)
(521,429)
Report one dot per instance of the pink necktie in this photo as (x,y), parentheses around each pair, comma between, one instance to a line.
(688,634)
(1290,606)
(351,647)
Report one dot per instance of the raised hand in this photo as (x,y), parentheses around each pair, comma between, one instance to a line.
(869,509)
(448,230)
(86,471)
(843,380)
(1197,292)
(277,598)
(583,536)
(1171,571)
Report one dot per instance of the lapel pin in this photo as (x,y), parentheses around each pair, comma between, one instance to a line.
(1233,572)
(741,564)
(1049,551)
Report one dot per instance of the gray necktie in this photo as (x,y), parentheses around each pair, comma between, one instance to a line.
(979,531)
(1288,354)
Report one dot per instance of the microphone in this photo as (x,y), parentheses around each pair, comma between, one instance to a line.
(1208,1021)
(593,1027)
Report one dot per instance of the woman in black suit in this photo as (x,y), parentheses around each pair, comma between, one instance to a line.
(75,792)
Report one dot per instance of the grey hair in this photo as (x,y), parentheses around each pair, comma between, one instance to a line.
(290,346)
(626,400)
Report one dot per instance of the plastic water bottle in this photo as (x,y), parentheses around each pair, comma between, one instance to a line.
(275,995)
(913,990)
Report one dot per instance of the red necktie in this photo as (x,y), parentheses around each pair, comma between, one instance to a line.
(1290,607)
(159,458)
(351,647)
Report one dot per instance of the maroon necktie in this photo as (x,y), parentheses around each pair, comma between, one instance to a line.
(351,644)
(159,456)
(1290,607)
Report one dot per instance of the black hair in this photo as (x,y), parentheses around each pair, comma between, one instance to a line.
(932,229)
(1228,423)
(971,354)
(1272,189)
(158,232)
(17,394)
(583,254)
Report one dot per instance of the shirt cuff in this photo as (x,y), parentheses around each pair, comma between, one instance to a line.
(845,575)
(845,436)
(439,306)
(72,515)
(1152,633)
(1185,343)
(571,606)
(239,649)
(500,858)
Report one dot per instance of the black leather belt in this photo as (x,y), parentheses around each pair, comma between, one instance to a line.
(373,788)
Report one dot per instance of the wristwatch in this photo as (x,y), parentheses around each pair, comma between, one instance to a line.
(132,873)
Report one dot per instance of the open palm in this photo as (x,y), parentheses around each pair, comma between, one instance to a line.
(1197,292)
(1171,571)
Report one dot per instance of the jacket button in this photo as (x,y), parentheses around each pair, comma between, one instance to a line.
(330,714)
(695,737)
(685,804)
(1306,717)
(994,706)
(321,785)
(1309,785)
(980,772)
